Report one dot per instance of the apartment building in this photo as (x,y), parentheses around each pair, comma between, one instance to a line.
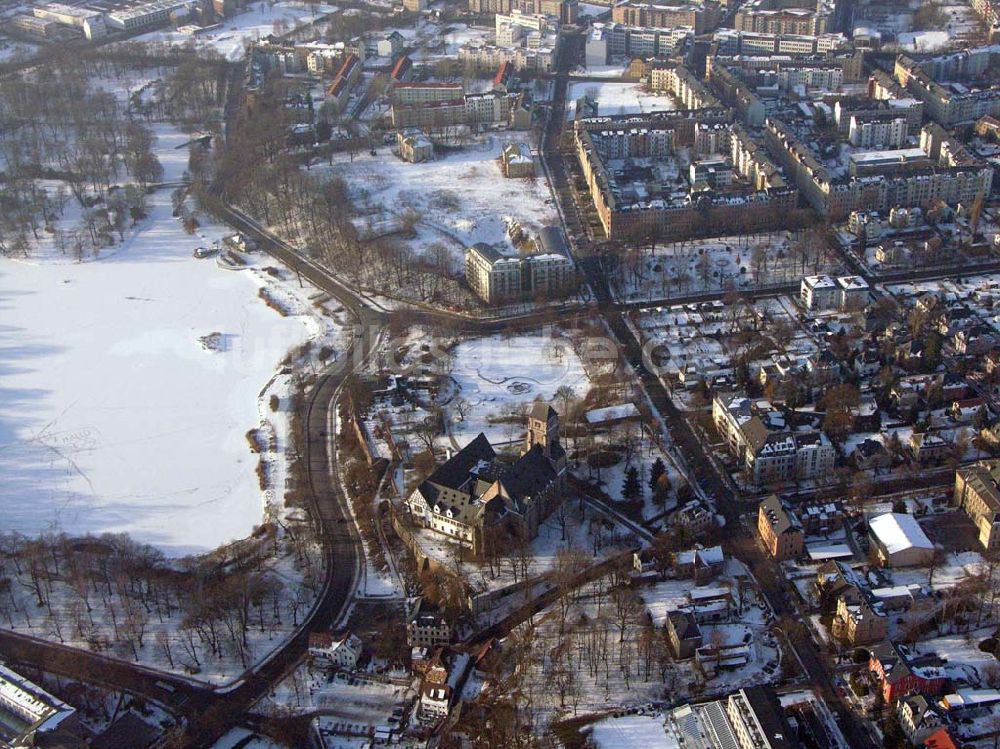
(490,57)
(936,82)
(757,720)
(607,40)
(877,129)
(977,492)
(825,292)
(702,17)
(733,42)
(877,183)
(859,623)
(779,529)
(563,11)
(681,83)
(407,94)
(497,278)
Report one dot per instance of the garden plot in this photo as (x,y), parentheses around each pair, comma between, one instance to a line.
(735,262)
(454,201)
(148,434)
(695,338)
(259,20)
(617,98)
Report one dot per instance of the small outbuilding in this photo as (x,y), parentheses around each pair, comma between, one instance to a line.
(898,540)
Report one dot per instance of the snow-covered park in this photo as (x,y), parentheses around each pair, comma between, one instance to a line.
(259,20)
(461,197)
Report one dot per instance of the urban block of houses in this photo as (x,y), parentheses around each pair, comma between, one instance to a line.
(474,494)
(897,540)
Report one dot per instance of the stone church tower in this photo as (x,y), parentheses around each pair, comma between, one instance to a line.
(543,429)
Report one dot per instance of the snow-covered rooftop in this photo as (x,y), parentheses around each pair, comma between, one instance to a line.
(898,532)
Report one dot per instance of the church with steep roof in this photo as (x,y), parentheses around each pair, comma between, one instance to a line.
(475,495)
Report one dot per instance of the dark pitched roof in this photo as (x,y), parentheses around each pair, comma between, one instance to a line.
(128,732)
(780,519)
(684,624)
(455,471)
(542,411)
(530,475)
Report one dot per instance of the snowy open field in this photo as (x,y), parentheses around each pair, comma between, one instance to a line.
(617,98)
(461,197)
(119,415)
(500,376)
(632,731)
(258,21)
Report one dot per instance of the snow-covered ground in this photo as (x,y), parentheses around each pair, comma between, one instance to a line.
(617,98)
(129,384)
(632,731)
(259,20)
(499,376)
(461,197)
(694,266)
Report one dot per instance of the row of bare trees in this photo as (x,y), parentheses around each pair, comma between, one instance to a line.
(109,593)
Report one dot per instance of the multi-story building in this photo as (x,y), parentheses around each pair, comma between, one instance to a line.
(628,212)
(977,492)
(702,16)
(608,40)
(475,497)
(899,673)
(563,11)
(779,529)
(732,42)
(497,278)
(490,57)
(757,720)
(877,129)
(934,81)
(144,15)
(414,146)
(681,83)
(879,182)
(423,93)
(860,622)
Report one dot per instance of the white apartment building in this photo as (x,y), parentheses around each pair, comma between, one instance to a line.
(877,130)
(496,278)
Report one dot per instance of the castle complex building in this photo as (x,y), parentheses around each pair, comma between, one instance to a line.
(474,498)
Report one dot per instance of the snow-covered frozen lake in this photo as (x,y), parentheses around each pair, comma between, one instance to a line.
(113,414)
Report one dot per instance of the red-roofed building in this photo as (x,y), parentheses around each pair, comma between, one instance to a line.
(899,674)
(402,71)
(503,77)
(940,739)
